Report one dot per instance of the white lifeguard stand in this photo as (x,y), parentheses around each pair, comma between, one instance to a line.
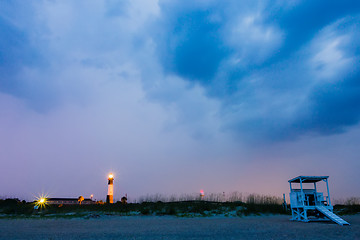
(309,204)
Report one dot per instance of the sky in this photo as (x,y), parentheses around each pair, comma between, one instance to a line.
(177,96)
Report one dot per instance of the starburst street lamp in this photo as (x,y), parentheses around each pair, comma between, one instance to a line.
(40,202)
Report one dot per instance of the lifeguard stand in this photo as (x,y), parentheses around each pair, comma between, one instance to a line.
(309,204)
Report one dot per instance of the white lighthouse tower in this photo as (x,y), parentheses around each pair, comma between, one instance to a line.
(110,194)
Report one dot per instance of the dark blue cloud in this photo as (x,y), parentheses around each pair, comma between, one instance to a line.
(15,52)
(192,47)
(304,21)
(270,65)
(193,43)
(20,52)
(334,103)
(333,108)
(278,70)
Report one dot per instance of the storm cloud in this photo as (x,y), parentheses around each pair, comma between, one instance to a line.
(176,89)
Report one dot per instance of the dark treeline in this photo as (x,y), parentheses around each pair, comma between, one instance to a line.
(178,208)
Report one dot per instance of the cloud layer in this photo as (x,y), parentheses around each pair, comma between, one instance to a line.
(174,88)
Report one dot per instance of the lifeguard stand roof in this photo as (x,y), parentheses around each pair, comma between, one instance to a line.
(308,179)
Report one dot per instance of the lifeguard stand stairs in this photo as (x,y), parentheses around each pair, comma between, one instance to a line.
(309,204)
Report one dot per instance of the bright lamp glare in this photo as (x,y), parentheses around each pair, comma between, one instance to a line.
(41,201)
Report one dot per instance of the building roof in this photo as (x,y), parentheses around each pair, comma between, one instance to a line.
(66,199)
(308,179)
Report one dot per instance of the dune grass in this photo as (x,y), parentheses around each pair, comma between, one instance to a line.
(233,205)
(182,206)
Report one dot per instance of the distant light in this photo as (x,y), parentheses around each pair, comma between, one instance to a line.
(41,201)
(111,176)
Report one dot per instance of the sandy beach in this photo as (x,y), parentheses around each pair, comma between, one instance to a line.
(115,227)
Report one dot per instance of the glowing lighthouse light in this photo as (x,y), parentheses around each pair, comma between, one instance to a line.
(109,197)
(202,194)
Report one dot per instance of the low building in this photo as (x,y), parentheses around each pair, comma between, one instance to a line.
(68,201)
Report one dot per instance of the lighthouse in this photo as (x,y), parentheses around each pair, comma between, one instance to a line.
(110,194)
